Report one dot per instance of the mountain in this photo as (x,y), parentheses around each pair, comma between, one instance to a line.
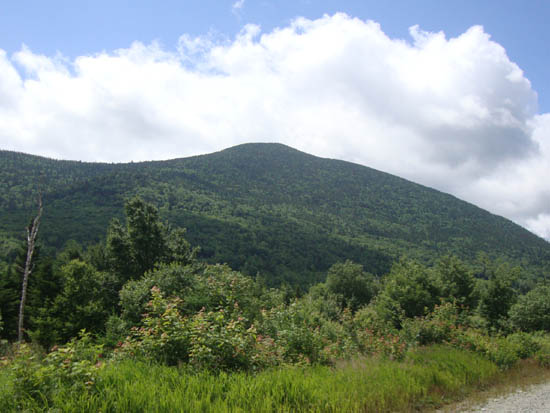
(262,208)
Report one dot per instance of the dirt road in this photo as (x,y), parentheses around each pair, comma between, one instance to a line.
(534,399)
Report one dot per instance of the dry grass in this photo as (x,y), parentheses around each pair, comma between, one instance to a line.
(526,373)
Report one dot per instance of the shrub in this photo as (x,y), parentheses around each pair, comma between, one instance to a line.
(220,342)
(437,327)
(532,311)
(498,296)
(525,344)
(216,340)
(197,285)
(382,315)
(164,335)
(388,345)
(75,365)
(543,353)
(77,362)
(411,287)
(297,331)
(496,349)
(353,287)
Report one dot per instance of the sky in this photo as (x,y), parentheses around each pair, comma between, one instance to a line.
(450,94)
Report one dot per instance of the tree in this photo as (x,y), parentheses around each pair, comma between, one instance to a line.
(456,281)
(531,312)
(32,232)
(499,294)
(143,242)
(410,285)
(351,284)
(10,296)
(146,234)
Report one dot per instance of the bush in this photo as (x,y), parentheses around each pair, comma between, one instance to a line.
(411,287)
(532,310)
(197,285)
(353,287)
(221,342)
(381,315)
(525,344)
(35,376)
(215,340)
(297,331)
(543,353)
(496,349)
(164,335)
(375,336)
(391,346)
(439,326)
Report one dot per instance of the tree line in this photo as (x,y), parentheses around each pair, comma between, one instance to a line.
(106,288)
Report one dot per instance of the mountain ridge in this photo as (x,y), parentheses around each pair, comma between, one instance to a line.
(264,207)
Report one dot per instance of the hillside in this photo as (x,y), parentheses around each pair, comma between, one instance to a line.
(263,208)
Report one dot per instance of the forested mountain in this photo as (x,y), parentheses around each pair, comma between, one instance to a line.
(261,208)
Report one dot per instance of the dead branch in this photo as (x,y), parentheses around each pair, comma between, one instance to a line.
(32,232)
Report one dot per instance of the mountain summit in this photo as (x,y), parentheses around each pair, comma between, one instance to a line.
(263,208)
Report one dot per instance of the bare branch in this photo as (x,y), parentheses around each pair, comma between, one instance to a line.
(32,232)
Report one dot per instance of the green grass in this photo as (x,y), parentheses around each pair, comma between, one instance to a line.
(430,376)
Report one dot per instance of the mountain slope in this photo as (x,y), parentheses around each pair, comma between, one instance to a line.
(264,208)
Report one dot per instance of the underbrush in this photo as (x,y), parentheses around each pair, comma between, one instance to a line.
(426,376)
(214,361)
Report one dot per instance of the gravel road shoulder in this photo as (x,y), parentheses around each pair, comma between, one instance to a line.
(533,399)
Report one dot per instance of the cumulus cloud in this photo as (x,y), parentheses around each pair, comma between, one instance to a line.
(455,114)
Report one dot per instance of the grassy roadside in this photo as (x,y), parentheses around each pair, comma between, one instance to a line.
(428,377)
(526,373)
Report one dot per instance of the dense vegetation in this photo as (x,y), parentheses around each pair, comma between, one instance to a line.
(137,322)
(263,208)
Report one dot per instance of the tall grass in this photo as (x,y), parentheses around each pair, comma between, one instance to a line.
(428,376)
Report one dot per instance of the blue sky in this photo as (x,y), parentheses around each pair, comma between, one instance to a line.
(84,27)
(450,94)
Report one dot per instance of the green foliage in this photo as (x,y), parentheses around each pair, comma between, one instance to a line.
(145,236)
(409,287)
(39,378)
(497,349)
(543,353)
(526,345)
(388,345)
(296,330)
(179,311)
(455,281)
(440,326)
(429,376)
(133,250)
(353,287)
(531,312)
(499,295)
(164,335)
(213,340)
(211,287)
(79,305)
(222,342)
(381,316)
(10,294)
(259,208)
(43,286)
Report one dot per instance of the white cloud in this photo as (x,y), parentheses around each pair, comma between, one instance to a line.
(237,6)
(455,114)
